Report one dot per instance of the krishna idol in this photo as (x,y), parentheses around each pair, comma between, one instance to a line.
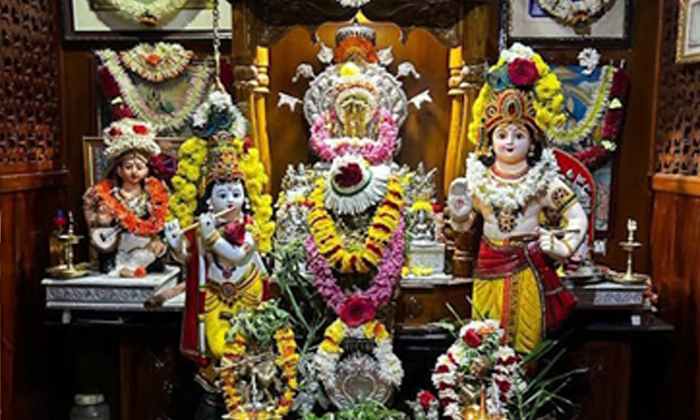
(243,344)
(513,180)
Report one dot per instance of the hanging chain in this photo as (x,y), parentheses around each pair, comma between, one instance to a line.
(216,43)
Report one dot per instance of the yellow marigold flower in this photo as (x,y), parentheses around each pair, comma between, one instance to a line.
(293,384)
(368,329)
(542,67)
(547,87)
(189,192)
(178,182)
(329,347)
(336,331)
(422,205)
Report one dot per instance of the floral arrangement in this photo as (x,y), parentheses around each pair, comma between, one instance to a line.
(361,306)
(189,181)
(353,3)
(330,351)
(354,185)
(216,113)
(129,135)
(158,203)
(425,407)
(325,237)
(422,205)
(477,357)
(147,13)
(510,196)
(519,67)
(117,85)
(375,151)
(286,359)
(157,62)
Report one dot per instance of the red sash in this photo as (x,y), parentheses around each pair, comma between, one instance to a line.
(499,262)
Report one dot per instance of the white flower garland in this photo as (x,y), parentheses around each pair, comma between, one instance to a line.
(223,103)
(511,196)
(199,84)
(136,10)
(390,369)
(173,59)
(353,3)
(121,137)
(360,201)
(503,367)
(573,13)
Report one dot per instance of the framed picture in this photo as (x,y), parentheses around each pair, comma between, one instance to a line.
(98,20)
(96,163)
(688,40)
(528,22)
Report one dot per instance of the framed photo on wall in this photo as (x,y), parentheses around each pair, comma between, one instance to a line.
(688,40)
(96,163)
(97,20)
(551,23)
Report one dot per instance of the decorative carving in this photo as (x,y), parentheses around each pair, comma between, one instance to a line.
(31,120)
(440,17)
(678,132)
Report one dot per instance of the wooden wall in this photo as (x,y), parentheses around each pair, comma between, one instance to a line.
(33,183)
(675,229)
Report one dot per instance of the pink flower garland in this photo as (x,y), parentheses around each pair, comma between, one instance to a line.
(375,152)
(381,290)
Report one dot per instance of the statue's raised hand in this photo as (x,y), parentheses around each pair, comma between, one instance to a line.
(173,235)
(459,200)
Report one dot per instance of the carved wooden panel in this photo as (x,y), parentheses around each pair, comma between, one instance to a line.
(29,84)
(678,131)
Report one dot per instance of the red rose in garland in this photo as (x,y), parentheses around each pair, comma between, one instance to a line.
(140,129)
(425,398)
(472,338)
(522,72)
(357,311)
(349,176)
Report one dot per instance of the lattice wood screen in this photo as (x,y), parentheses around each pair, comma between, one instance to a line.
(678,129)
(29,84)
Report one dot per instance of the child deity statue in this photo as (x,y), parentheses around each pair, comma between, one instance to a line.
(126,210)
(513,180)
(220,184)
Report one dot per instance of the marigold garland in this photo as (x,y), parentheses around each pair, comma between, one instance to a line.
(330,244)
(287,360)
(158,200)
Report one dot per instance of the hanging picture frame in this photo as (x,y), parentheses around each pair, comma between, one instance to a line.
(97,20)
(688,39)
(525,21)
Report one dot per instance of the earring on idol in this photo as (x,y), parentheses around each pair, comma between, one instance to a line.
(246,205)
(531,153)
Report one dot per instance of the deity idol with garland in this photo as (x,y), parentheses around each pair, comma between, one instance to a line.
(220,183)
(126,211)
(351,209)
(513,180)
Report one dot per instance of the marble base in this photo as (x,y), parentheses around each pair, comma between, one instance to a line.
(101,292)
(432,280)
(608,295)
(423,254)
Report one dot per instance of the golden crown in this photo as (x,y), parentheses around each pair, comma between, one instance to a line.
(224,166)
